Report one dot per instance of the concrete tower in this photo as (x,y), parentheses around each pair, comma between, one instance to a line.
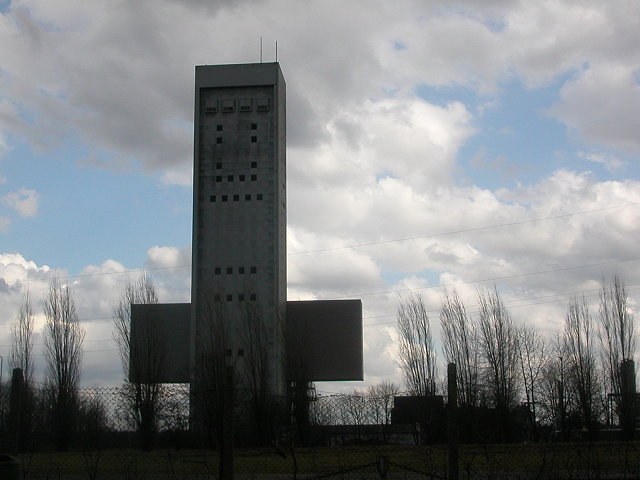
(239,210)
(239,310)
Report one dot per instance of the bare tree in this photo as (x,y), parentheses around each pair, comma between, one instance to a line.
(210,382)
(581,356)
(549,390)
(355,408)
(63,342)
(553,391)
(618,340)
(21,357)
(22,340)
(460,345)
(416,351)
(142,390)
(532,352)
(142,291)
(381,400)
(253,335)
(499,345)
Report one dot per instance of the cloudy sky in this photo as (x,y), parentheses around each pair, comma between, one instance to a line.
(430,144)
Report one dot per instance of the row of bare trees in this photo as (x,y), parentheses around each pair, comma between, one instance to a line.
(371,406)
(142,401)
(63,348)
(581,378)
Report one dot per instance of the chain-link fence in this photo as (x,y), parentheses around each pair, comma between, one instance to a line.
(340,436)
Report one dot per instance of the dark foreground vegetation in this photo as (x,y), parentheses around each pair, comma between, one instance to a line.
(341,439)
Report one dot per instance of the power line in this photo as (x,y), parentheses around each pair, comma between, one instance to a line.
(466,230)
(484,280)
(508,303)
(366,244)
(363,294)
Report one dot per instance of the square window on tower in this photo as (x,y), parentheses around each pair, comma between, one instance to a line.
(245,104)
(211,106)
(228,106)
(262,104)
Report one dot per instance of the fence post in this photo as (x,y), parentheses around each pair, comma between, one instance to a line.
(452,421)
(16,404)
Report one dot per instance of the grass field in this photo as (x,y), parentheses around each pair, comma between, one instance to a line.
(567,460)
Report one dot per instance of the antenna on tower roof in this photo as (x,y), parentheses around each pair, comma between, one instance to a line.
(260,48)
(276,51)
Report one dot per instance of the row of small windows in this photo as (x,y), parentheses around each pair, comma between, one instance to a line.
(254,139)
(229,270)
(242,104)
(254,126)
(219,166)
(241,297)
(241,178)
(235,198)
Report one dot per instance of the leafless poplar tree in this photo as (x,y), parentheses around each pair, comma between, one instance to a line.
(63,342)
(253,335)
(22,340)
(416,351)
(499,347)
(142,291)
(460,345)
(532,353)
(21,357)
(581,353)
(618,340)
(142,395)
(208,390)
(552,386)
